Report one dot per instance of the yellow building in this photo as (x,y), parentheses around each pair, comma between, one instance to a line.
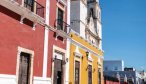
(86,55)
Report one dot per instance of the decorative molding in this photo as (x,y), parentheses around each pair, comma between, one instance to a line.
(90,58)
(64,2)
(77,52)
(72,31)
(61,51)
(31,52)
(99,61)
(92,34)
(58,56)
(59,6)
(86,48)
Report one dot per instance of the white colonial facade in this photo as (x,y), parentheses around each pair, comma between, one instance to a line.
(83,22)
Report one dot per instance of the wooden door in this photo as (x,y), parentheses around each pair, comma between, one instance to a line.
(77,72)
(89,74)
(58,72)
(24,68)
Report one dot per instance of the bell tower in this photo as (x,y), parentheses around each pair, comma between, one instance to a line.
(93,27)
(86,20)
(92,13)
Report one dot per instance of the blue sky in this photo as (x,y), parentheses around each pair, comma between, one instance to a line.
(124,31)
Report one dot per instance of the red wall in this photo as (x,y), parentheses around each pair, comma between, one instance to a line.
(14,34)
(52,35)
(106,81)
(110,82)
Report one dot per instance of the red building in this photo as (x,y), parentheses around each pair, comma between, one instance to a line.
(57,54)
(111,80)
(33,41)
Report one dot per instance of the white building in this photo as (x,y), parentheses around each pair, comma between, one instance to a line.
(86,20)
(116,68)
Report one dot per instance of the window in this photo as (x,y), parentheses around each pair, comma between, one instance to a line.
(60,19)
(89,74)
(106,68)
(99,76)
(116,68)
(29,4)
(90,1)
(77,72)
(35,7)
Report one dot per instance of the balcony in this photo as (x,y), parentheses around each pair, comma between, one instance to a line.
(62,28)
(31,10)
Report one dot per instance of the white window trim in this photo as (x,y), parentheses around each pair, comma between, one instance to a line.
(90,58)
(89,63)
(99,63)
(64,2)
(63,9)
(63,52)
(77,53)
(79,60)
(31,52)
(64,13)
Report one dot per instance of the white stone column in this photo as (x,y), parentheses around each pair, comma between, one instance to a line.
(46,35)
(67,62)
(67,45)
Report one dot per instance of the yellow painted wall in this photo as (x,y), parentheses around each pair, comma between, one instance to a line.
(85,43)
(84,62)
(71,65)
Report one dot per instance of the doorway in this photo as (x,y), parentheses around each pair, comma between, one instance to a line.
(58,72)
(24,68)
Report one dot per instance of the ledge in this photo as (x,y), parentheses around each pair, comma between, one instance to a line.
(22,11)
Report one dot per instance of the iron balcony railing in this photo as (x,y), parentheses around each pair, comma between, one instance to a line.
(61,25)
(33,6)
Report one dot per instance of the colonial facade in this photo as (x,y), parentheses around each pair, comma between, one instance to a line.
(50,42)
(22,41)
(33,41)
(86,55)
(57,53)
